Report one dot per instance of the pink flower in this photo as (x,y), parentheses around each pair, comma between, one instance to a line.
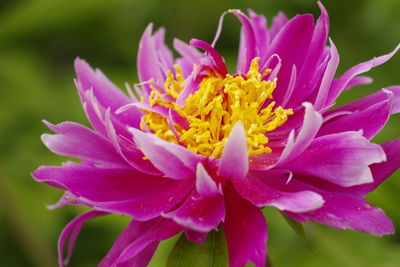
(204,149)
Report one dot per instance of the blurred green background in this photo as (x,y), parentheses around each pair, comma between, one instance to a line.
(39,40)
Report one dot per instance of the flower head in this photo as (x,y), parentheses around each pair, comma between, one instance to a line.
(202,149)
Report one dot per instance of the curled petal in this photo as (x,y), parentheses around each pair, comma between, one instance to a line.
(71,231)
(342,82)
(234,162)
(248,48)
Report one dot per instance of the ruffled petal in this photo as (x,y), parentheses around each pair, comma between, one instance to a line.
(123,191)
(234,162)
(138,242)
(261,193)
(198,213)
(345,156)
(105,92)
(75,140)
(245,231)
(340,210)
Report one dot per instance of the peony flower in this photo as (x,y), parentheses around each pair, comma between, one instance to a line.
(201,149)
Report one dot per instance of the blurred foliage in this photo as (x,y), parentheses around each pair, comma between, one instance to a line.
(39,40)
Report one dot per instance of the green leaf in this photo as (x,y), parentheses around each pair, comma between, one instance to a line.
(212,253)
(298,229)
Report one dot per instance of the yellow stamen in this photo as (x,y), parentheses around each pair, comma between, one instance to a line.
(213,110)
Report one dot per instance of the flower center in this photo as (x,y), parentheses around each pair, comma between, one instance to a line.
(211,112)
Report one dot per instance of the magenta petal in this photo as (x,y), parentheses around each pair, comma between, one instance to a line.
(245,230)
(205,185)
(92,109)
(345,212)
(217,58)
(71,231)
(248,47)
(261,194)
(370,120)
(77,141)
(163,155)
(127,150)
(196,237)
(382,171)
(346,158)
(295,146)
(123,191)
(191,54)
(105,92)
(341,83)
(317,46)
(137,244)
(234,162)
(299,31)
(198,213)
(278,22)
(148,63)
(327,78)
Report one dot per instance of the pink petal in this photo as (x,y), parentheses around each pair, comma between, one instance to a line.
(77,141)
(345,212)
(295,146)
(248,48)
(341,83)
(105,92)
(71,231)
(126,149)
(382,171)
(163,155)
(260,193)
(214,55)
(191,54)
(245,231)
(342,159)
(137,244)
(234,162)
(299,31)
(326,82)
(198,213)
(148,62)
(370,120)
(205,185)
(123,191)
(278,22)
(195,237)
